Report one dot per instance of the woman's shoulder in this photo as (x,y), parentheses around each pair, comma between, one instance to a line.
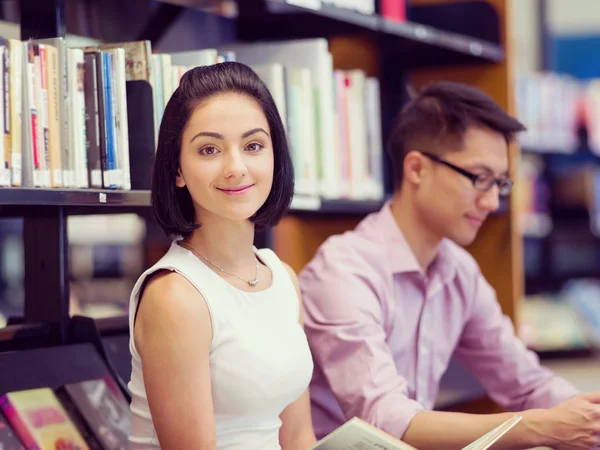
(170,301)
(167,284)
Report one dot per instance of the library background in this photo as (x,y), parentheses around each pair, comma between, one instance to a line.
(84,85)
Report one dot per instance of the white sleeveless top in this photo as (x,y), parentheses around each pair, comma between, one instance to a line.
(260,361)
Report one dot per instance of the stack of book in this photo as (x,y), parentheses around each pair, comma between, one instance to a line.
(66,121)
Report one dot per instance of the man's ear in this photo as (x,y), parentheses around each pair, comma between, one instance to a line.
(413,167)
(179,181)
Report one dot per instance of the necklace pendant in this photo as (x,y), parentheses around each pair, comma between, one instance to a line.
(252,282)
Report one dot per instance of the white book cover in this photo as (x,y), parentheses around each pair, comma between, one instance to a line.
(59,44)
(43,117)
(356,434)
(27,144)
(373,117)
(308,151)
(157,94)
(70,177)
(4,171)
(167,77)
(195,58)
(42,174)
(273,76)
(342,147)
(357,126)
(16,108)
(121,108)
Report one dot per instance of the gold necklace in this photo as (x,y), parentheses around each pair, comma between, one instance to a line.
(250,282)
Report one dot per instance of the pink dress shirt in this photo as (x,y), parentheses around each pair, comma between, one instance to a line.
(382,333)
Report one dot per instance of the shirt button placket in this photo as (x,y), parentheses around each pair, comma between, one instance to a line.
(423,356)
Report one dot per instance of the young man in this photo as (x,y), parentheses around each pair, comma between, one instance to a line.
(388,304)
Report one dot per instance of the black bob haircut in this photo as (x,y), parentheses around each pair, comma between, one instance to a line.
(173,207)
(437,118)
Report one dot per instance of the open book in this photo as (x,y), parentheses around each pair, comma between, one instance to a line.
(356,434)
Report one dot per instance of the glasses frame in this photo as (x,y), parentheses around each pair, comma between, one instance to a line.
(504,184)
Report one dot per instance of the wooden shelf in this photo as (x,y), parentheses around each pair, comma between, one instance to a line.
(315,205)
(98,201)
(426,41)
(72,197)
(368,22)
(465,46)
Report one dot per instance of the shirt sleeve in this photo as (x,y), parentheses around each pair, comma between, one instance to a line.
(344,322)
(511,373)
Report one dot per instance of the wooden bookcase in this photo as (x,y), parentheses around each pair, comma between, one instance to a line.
(443,39)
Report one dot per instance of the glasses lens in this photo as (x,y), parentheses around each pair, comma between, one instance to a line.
(484,182)
(504,187)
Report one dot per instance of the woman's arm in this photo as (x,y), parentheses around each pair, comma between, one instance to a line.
(173,335)
(297,432)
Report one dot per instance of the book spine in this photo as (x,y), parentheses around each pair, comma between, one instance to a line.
(4,150)
(43,127)
(123,120)
(110,124)
(82,164)
(102,117)
(16,108)
(63,74)
(116,119)
(17,423)
(92,121)
(6,170)
(33,111)
(54,122)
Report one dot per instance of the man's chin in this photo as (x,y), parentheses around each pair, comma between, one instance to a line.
(464,239)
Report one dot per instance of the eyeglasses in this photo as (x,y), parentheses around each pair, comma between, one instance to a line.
(481,182)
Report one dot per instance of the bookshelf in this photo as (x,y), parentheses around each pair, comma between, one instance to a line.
(443,39)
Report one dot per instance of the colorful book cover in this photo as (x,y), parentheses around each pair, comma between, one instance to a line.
(8,439)
(104,410)
(40,421)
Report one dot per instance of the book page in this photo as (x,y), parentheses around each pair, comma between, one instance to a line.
(359,435)
(488,439)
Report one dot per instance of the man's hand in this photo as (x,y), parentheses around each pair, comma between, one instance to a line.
(574,424)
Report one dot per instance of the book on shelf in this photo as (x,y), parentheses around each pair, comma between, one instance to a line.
(100,410)
(86,415)
(40,420)
(357,434)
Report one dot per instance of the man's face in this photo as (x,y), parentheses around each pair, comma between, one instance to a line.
(447,200)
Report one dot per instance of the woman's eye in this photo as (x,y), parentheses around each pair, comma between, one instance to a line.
(208,151)
(254,147)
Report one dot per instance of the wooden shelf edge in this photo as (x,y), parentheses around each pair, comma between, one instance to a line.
(420,33)
(16,196)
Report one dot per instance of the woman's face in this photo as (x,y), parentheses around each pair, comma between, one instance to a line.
(226,159)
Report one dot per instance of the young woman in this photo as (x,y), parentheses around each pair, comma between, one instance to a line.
(219,355)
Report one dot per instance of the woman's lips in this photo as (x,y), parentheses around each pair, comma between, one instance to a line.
(237,190)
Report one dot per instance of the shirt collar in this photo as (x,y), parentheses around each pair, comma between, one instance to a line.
(400,254)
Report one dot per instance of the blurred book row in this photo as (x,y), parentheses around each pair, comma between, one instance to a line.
(107,253)
(532,197)
(564,321)
(89,415)
(66,120)
(555,108)
(389,9)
